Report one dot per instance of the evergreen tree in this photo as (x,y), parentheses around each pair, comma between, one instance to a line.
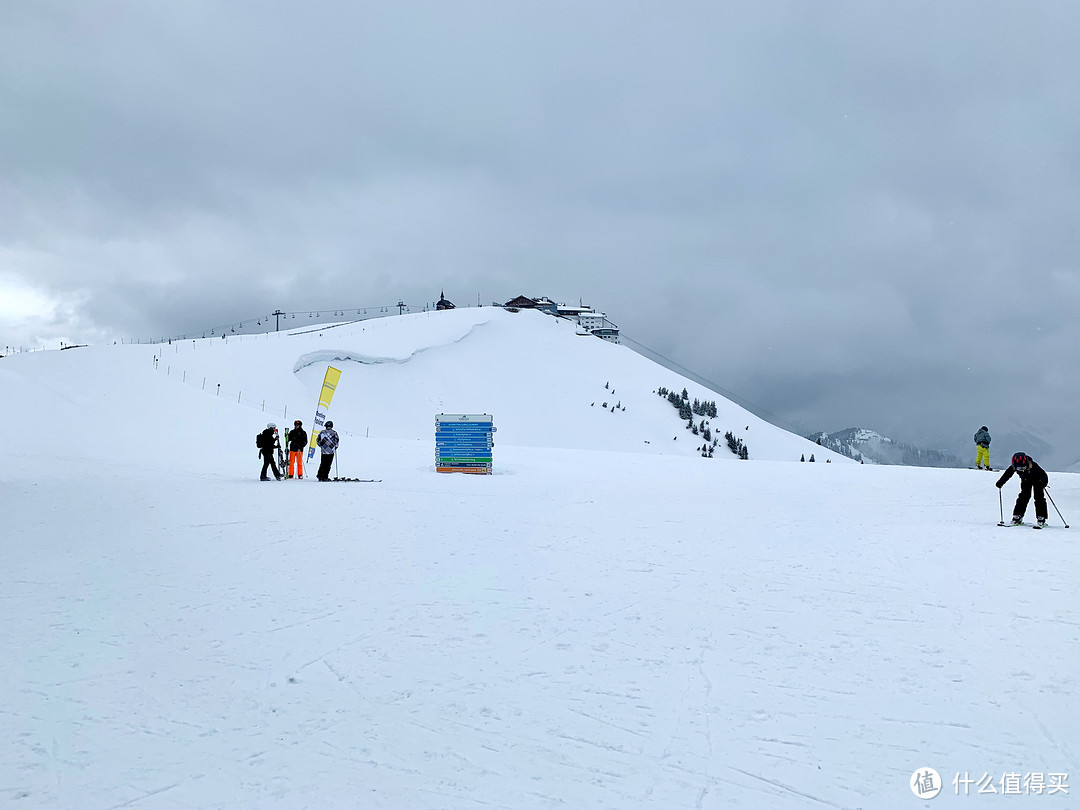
(732,442)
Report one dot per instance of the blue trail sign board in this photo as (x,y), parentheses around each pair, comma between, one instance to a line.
(463,442)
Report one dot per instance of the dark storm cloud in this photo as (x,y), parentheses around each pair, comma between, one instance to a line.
(880,197)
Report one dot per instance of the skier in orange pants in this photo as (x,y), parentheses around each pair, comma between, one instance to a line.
(297,443)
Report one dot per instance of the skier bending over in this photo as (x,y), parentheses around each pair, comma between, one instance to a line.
(1032,477)
(328,444)
(268,444)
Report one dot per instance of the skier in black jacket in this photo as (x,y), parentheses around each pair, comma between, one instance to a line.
(1032,477)
(268,445)
(297,443)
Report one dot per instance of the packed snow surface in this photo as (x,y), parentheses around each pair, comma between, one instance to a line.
(609,620)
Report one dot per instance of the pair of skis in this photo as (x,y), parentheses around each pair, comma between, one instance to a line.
(1002,522)
(335,480)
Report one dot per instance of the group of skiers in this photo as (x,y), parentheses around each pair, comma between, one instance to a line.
(1033,478)
(269,445)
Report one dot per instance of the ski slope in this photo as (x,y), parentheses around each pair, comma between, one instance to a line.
(609,620)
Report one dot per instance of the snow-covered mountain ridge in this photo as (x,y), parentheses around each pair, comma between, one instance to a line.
(870,447)
(545,384)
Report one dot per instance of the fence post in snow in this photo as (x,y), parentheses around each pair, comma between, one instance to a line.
(238,397)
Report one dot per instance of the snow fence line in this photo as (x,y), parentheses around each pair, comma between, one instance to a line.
(217,389)
(256,402)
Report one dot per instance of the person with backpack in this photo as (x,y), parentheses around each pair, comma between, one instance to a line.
(297,442)
(328,445)
(1033,478)
(982,448)
(268,444)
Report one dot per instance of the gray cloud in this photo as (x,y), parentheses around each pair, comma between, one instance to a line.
(847,213)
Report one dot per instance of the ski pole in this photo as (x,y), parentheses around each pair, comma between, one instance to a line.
(1001,508)
(1055,507)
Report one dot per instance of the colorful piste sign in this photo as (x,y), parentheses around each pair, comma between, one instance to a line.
(463,443)
(329,386)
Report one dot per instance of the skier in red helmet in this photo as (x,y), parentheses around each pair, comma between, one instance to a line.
(1033,478)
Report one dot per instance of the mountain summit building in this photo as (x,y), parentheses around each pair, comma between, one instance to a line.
(589,321)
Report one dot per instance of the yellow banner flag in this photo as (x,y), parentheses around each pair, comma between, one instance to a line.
(329,386)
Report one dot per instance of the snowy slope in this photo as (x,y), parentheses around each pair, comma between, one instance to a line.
(601,623)
(545,384)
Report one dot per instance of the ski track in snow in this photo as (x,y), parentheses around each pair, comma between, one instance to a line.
(378,660)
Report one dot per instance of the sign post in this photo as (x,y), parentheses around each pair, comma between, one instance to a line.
(463,443)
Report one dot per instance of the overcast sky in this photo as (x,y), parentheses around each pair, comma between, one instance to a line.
(851,213)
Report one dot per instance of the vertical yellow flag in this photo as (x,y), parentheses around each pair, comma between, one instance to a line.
(329,386)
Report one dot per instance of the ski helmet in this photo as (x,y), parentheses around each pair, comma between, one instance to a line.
(298,422)
(329,424)
(271,425)
(1020,460)
(984,427)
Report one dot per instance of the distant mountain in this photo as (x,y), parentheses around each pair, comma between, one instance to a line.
(870,447)
(1008,438)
